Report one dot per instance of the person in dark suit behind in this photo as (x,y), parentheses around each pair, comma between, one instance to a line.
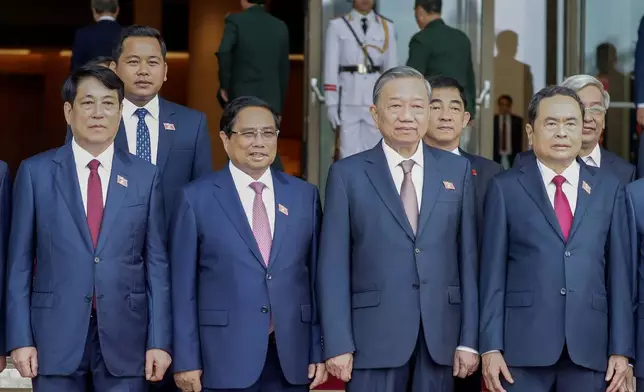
(5,224)
(438,49)
(244,307)
(397,275)
(639,93)
(556,305)
(97,39)
(98,301)
(596,101)
(170,136)
(447,119)
(253,58)
(508,132)
(105,61)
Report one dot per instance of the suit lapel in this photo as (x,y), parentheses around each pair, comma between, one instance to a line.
(532,182)
(228,198)
(68,185)
(115,195)
(166,136)
(120,141)
(380,176)
(431,187)
(282,221)
(584,196)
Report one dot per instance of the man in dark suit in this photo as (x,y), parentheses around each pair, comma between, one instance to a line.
(5,223)
(253,58)
(596,101)
(508,132)
(97,39)
(98,301)
(397,276)
(170,136)
(243,283)
(447,119)
(438,49)
(556,306)
(639,93)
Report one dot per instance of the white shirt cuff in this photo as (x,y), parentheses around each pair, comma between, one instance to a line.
(640,105)
(467,349)
(492,351)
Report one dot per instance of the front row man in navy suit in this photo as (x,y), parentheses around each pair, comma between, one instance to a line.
(97,305)
(555,282)
(397,277)
(5,223)
(243,249)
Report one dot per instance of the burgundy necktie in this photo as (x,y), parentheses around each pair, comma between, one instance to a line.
(562,207)
(94,206)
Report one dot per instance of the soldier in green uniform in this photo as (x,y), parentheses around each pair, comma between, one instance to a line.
(440,50)
(253,58)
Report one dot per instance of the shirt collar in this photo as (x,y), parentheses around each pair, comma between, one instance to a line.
(152,107)
(571,173)
(107,17)
(456,151)
(595,155)
(83,158)
(243,180)
(394,159)
(371,16)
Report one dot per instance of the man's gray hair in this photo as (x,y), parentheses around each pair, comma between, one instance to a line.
(578,82)
(105,6)
(399,72)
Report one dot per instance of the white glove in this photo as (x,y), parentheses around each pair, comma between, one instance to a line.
(334,116)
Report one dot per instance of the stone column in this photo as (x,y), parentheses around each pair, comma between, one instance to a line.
(206,27)
(148,13)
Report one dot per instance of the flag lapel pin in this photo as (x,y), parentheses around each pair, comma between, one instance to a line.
(448,185)
(168,126)
(121,181)
(586,187)
(282,209)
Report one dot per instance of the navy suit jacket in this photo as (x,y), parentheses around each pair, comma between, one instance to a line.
(90,42)
(539,292)
(50,307)
(635,204)
(184,153)
(616,165)
(5,224)
(223,294)
(639,90)
(377,281)
(483,170)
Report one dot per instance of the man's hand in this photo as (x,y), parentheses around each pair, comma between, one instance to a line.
(26,361)
(465,363)
(318,373)
(616,372)
(189,381)
(156,363)
(340,366)
(629,381)
(640,116)
(3,363)
(493,365)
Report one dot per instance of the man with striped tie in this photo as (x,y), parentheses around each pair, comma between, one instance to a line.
(243,245)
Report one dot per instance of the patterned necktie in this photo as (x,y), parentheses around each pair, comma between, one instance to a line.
(408,195)
(94,206)
(365,25)
(562,207)
(143,149)
(261,227)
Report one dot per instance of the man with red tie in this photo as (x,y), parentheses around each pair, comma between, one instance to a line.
(555,280)
(98,303)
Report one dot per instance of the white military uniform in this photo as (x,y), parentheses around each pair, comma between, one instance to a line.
(349,94)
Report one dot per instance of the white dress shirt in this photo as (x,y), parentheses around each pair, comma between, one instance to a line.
(417,176)
(456,151)
(505,120)
(570,187)
(107,17)
(247,194)
(82,159)
(131,121)
(594,158)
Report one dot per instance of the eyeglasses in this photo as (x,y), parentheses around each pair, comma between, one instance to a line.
(266,133)
(595,110)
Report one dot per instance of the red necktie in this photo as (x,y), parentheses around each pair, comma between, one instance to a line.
(562,207)
(94,206)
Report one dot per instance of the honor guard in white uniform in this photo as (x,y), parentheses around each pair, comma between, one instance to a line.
(359,47)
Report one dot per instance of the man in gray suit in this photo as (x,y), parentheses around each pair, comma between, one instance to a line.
(397,274)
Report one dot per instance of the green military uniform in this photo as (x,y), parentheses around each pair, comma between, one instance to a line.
(442,50)
(253,59)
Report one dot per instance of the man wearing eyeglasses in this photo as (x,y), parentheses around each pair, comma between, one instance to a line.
(596,101)
(243,246)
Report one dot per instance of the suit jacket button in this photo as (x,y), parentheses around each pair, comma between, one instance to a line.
(264,309)
(415,286)
(96,260)
(567,254)
(563,291)
(417,250)
(268,277)
(88,298)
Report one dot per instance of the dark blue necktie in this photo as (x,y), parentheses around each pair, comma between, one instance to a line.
(143,149)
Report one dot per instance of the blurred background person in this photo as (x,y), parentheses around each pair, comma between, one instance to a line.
(97,39)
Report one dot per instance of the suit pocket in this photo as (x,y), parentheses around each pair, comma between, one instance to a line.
(518,299)
(454,295)
(365,299)
(136,202)
(307,313)
(42,300)
(217,318)
(138,301)
(600,302)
